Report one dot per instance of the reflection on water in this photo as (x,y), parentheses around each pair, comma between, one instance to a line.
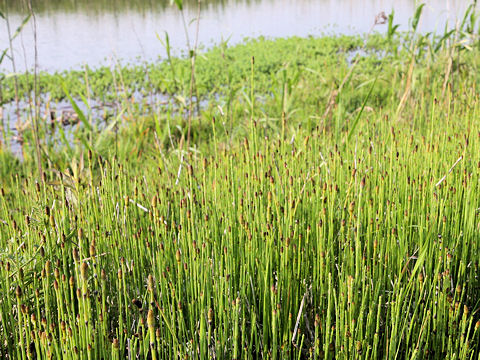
(95,32)
(95,6)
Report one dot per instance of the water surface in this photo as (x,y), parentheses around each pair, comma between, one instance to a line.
(104,32)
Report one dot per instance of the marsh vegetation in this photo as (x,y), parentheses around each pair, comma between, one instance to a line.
(308,198)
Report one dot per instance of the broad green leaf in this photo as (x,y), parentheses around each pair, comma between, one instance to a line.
(442,40)
(179,3)
(4,53)
(416,17)
(391,28)
(466,16)
(79,112)
(109,128)
(20,28)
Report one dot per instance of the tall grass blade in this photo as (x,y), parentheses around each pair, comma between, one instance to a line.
(417,16)
(77,110)
(359,114)
(21,26)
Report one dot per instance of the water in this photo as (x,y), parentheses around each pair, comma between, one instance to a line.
(71,34)
(104,32)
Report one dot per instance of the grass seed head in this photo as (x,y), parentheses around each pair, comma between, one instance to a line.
(210,315)
(18,292)
(84,270)
(48,266)
(24,309)
(76,256)
(92,249)
(358,347)
(420,278)
(150,283)
(151,319)
(351,207)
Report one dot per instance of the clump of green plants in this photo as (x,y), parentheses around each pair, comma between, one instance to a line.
(275,247)
(314,215)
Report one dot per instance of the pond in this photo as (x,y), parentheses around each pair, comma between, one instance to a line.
(71,34)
